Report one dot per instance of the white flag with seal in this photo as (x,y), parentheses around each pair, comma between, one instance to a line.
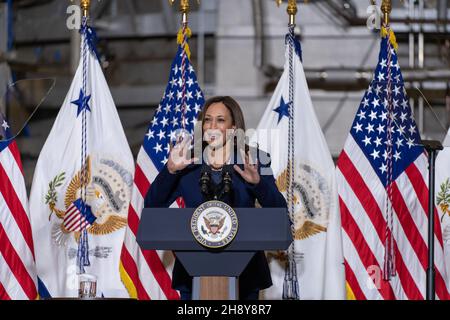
(58,216)
(318,245)
(443,198)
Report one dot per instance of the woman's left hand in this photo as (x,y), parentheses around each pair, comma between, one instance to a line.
(250,172)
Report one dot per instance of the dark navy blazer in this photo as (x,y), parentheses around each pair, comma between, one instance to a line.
(167,187)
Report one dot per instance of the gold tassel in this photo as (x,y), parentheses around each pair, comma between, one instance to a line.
(392,39)
(180,40)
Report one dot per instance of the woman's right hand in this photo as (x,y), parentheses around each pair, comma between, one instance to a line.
(179,157)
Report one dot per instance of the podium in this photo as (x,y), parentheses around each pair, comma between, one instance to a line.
(260,229)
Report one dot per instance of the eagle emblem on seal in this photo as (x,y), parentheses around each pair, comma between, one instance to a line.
(214,224)
(108,189)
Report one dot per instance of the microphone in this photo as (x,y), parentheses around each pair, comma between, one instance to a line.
(226,180)
(205,180)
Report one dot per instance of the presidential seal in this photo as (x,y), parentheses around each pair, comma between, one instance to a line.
(214,224)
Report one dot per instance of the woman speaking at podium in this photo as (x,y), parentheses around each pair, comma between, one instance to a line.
(223,151)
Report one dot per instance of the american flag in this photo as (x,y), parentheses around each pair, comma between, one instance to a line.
(145,273)
(17,264)
(78,217)
(382,182)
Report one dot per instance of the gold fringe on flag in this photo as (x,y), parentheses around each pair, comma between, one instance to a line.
(392,39)
(128,283)
(350,294)
(181,40)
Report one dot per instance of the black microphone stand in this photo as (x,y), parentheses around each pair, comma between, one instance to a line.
(432,147)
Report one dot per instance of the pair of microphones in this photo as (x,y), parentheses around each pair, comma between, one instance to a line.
(207,186)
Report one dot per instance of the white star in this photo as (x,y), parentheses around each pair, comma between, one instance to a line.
(395,103)
(412,129)
(175,69)
(150,134)
(380,76)
(401,130)
(410,143)
(380,129)
(369,128)
(404,103)
(174,121)
(170,95)
(193,121)
(358,127)
(180,95)
(375,154)
(186,121)
(172,135)
(396,90)
(190,82)
(383,168)
(161,134)
(383,116)
(5,125)
(178,108)
(197,108)
(191,69)
(377,90)
(180,82)
(385,155)
(397,78)
(383,64)
(164,122)
(376,102)
(403,117)
(378,141)
(397,155)
(187,108)
(173,82)
(154,121)
(167,148)
(396,66)
(164,161)
(198,94)
(167,108)
(399,143)
(361,115)
(373,115)
(158,148)
(366,141)
(189,95)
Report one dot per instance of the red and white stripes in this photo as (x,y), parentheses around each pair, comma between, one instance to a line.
(146,273)
(361,196)
(17,263)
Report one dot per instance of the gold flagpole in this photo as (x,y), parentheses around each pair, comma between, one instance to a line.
(185,8)
(85,6)
(291,9)
(386,8)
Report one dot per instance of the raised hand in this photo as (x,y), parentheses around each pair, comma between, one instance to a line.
(250,172)
(179,157)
